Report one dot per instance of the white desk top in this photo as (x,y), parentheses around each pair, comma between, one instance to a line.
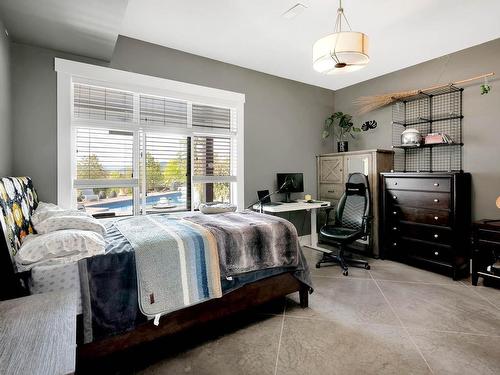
(285,207)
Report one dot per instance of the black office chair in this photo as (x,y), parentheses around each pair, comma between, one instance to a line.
(352,222)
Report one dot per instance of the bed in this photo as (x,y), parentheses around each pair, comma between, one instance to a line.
(239,291)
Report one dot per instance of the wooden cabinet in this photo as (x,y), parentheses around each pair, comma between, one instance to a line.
(426,218)
(334,169)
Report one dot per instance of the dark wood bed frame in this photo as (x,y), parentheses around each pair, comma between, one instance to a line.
(248,296)
(239,300)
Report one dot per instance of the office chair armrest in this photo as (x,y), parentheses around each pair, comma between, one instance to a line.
(328,210)
(366,225)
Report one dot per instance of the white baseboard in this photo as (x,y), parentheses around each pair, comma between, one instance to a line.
(305,240)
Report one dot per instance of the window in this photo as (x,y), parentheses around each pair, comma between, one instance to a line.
(104,170)
(133,144)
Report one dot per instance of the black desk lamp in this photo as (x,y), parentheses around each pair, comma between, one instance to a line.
(284,185)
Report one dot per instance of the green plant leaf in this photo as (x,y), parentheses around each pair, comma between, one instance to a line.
(325,134)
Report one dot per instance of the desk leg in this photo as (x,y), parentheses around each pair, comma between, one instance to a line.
(314,233)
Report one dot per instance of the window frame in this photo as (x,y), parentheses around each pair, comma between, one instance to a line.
(69,72)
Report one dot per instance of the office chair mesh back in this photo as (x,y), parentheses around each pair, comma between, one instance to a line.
(353,206)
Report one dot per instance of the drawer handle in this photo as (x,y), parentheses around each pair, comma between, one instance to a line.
(436,252)
(394,213)
(436,200)
(436,235)
(436,184)
(394,244)
(395,183)
(395,228)
(331,191)
(394,197)
(436,218)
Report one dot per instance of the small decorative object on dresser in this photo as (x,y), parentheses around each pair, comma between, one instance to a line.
(333,170)
(426,219)
(486,251)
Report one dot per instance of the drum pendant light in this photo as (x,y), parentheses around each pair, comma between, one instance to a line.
(342,51)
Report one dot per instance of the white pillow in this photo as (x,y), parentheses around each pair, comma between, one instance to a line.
(216,208)
(77,244)
(53,223)
(46,210)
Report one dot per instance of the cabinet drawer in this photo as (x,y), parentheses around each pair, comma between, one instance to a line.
(419,215)
(488,235)
(419,199)
(428,184)
(331,191)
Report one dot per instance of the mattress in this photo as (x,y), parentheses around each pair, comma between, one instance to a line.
(52,278)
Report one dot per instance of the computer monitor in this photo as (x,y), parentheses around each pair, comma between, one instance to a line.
(290,183)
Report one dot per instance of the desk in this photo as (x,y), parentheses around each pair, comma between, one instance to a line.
(299,206)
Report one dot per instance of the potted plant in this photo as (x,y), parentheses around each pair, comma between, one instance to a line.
(345,128)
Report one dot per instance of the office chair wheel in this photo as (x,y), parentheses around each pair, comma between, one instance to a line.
(367,266)
(345,273)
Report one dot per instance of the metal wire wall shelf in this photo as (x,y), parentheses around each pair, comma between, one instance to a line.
(436,111)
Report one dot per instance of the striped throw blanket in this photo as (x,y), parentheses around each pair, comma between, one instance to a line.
(177,263)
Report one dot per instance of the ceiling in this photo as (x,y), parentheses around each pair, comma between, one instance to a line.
(83,27)
(253,34)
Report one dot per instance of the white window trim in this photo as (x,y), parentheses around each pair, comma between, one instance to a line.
(69,72)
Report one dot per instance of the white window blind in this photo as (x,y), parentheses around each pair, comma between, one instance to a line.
(205,116)
(214,157)
(101,103)
(103,155)
(163,111)
(165,161)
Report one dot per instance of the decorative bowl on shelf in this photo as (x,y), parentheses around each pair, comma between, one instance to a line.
(411,138)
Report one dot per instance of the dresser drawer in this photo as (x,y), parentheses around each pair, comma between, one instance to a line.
(434,234)
(421,250)
(429,252)
(331,191)
(429,184)
(419,215)
(424,199)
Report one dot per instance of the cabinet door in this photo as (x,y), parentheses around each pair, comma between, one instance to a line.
(358,164)
(331,169)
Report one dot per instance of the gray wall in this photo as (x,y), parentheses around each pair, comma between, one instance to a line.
(34,103)
(283,118)
(481,115)
(5,105)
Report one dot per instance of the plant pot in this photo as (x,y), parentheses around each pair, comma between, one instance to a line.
(342,146)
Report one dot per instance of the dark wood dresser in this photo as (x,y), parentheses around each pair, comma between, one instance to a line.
(426,219)
(486,249)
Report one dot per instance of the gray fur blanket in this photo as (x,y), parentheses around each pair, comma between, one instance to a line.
(249,241)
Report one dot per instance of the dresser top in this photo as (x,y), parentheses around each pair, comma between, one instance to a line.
(488,224)
(423,174)
(38,334)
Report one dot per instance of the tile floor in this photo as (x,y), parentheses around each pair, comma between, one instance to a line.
(393,319)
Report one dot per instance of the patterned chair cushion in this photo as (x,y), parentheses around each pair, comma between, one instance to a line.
(18,200)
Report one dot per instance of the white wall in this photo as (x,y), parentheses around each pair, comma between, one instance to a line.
(5,105)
